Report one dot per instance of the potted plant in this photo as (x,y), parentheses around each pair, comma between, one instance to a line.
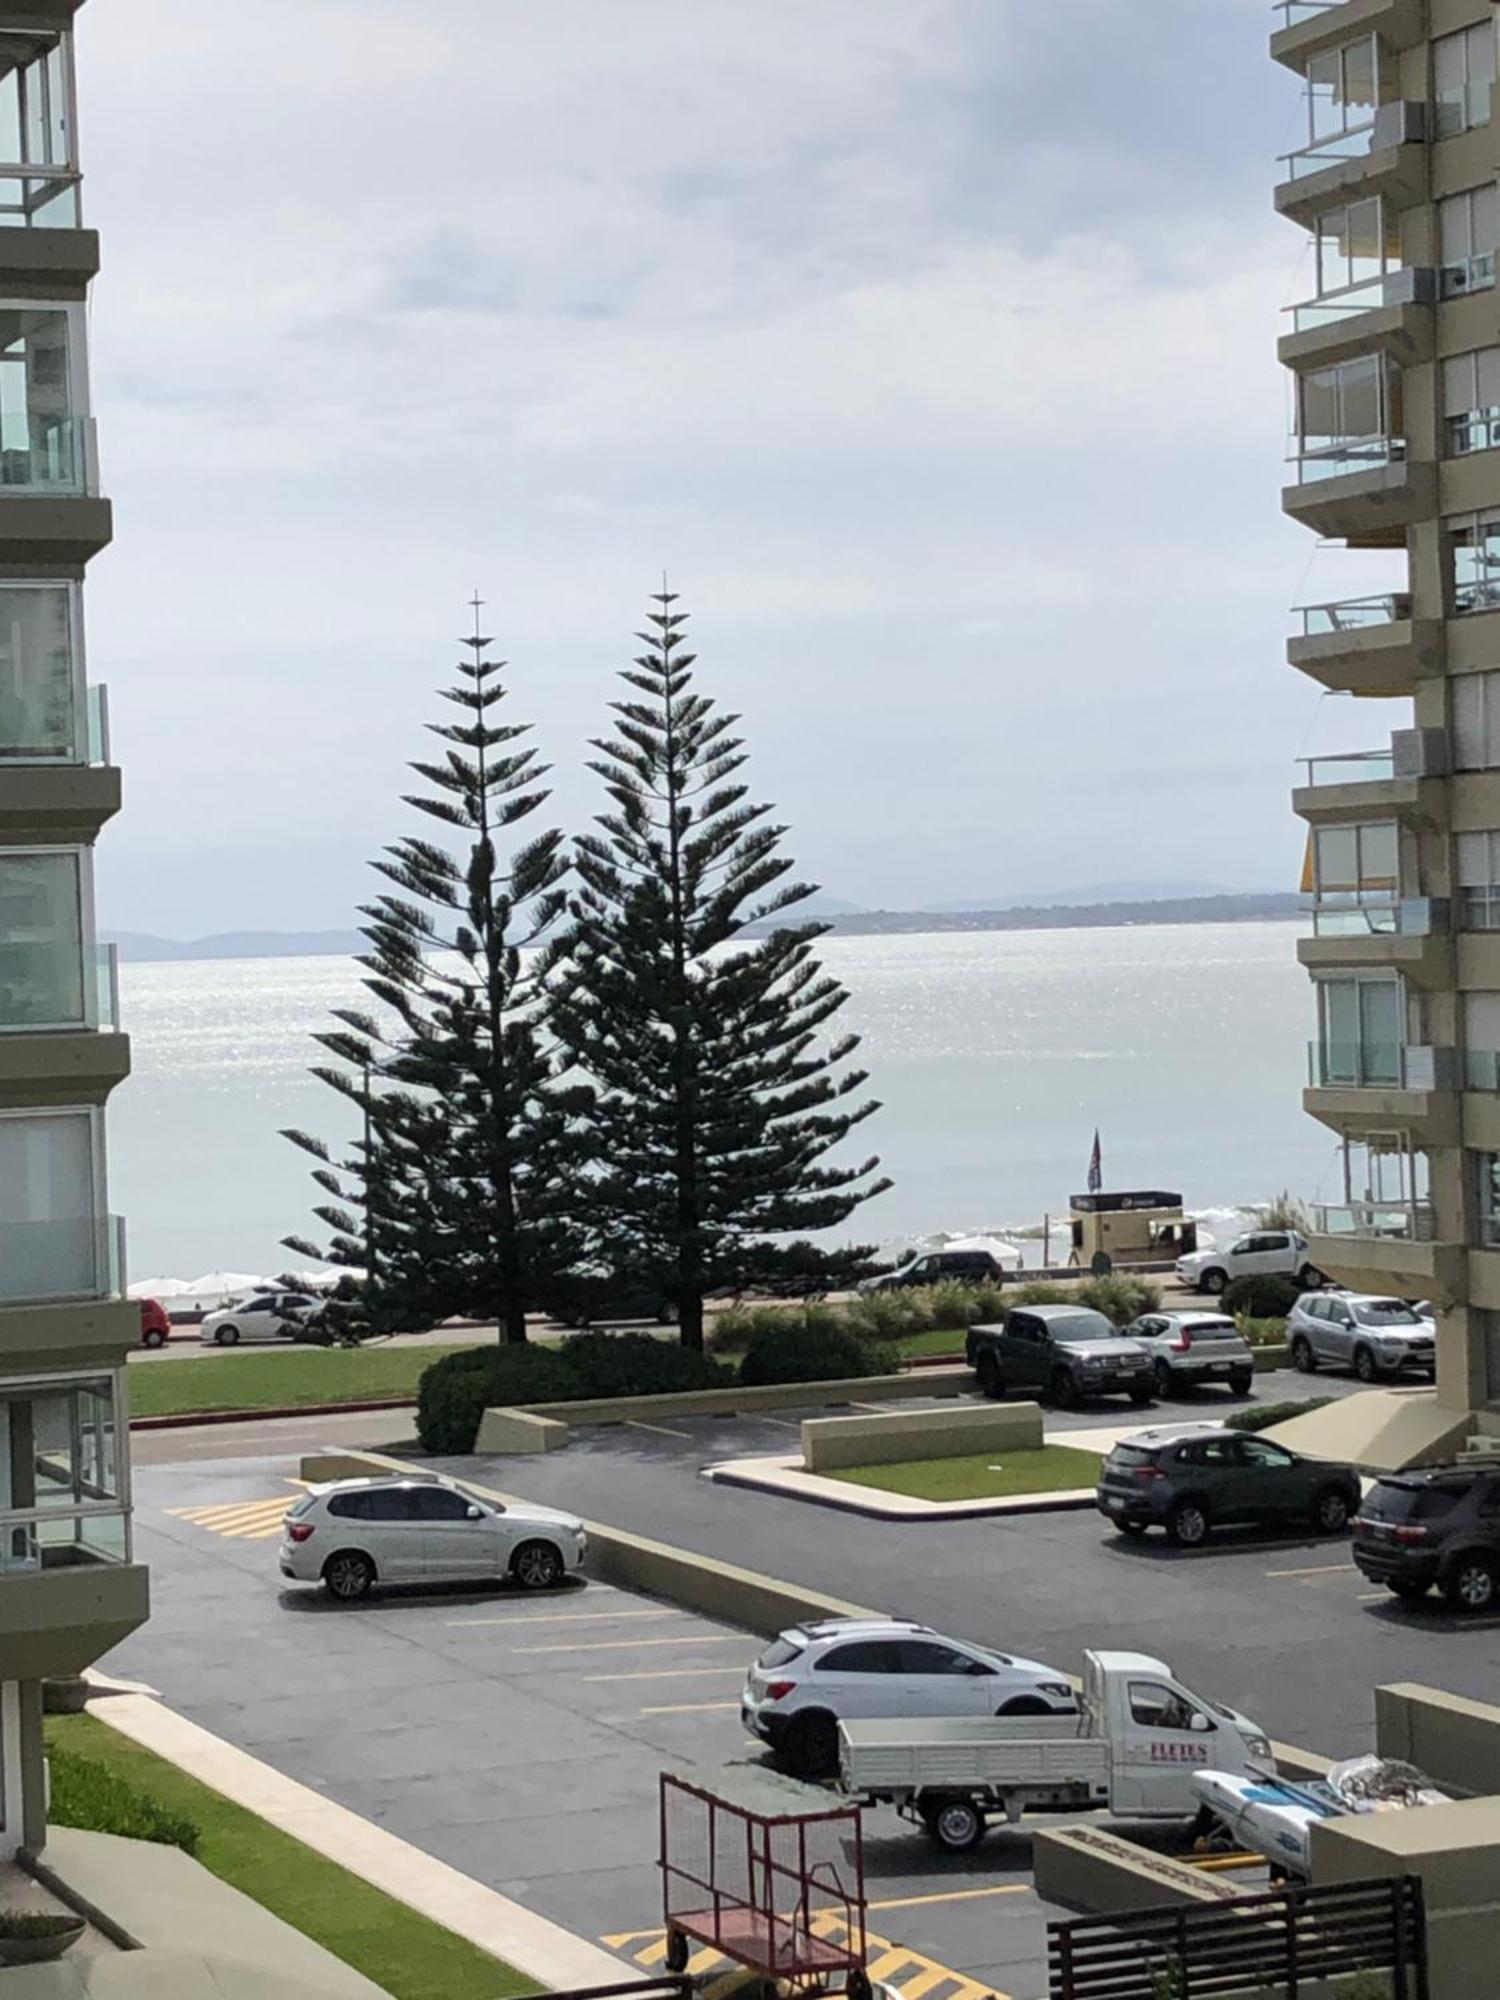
(27,1939)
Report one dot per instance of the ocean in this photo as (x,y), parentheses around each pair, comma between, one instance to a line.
(994,1054)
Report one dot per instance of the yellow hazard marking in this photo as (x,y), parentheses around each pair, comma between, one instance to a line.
(911,1973)
(243,1520)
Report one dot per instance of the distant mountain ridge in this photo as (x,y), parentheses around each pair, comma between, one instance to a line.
(843,919)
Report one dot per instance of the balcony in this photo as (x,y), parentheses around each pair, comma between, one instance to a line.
(1385,1247)
(1391,314)
(59,1621)
(1386,157)
(1366,1088)
(1411,935)
(1305,28)
(1372,784)
(70,1257)
(1363,491)
(1367,645)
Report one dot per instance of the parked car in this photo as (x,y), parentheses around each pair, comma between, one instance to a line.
(1442,1526)
(831,1670)
(156,1327)
(1065,1353)
(598,1297)
(1191,1482)
(1358,1330)
(259,1316)
(970,1267)
(1281,1251)
(352,1534)
(1190,1348)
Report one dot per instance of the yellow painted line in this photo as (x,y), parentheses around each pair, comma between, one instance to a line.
(561,1617)
(1211,1863)
(951,1896)
(661,1430)
(241,1510)
(613,1645)
(665,1674)
(687,1707)
(1316,1569)
(910,1973)
(911,1989)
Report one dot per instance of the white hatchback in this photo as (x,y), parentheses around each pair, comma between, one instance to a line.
(354,1533)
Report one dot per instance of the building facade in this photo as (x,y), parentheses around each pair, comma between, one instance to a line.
(68,1586)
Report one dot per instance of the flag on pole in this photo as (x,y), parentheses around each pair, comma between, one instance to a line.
(1096,1166)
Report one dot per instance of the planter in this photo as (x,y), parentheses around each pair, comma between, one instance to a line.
(35,1940)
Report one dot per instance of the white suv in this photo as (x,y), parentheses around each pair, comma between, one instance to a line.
(1279,1251)
(834,1669)
(354,1533)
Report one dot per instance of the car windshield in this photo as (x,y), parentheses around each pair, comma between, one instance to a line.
(1386,1312)
(780,1653)
(1396,1500)
(1071,1329)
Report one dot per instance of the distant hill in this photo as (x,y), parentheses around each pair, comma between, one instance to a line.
(1091,895)
(238,944)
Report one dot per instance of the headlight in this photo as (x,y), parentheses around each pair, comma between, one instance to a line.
(1257,1745)
(1059,1690)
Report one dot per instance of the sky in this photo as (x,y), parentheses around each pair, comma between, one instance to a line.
(927,345)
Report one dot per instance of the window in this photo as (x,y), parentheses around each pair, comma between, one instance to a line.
(1474,563)
(438,1503)
(1467,234)
(1479,880)
(1157,1706)
(41,444)
(40,680)
(924,1656)
(38,172)
(1355,245)
(780,1653)
(1464,72)
(1471,401)
(1360,1032)
(42,927)
(1355,877)
(1386,1312)
(53,1241)
(1476,721)
(1349,417)
(865,1656)
(1263,1456)
(1487,1175)
(61,1492)
(1342,92)
(1482,1036)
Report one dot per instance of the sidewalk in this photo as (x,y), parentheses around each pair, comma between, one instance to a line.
(543,1950)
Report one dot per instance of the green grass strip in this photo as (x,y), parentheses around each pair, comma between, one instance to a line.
(280,1378)
(949,1344)
(408,1954)
(988,1475)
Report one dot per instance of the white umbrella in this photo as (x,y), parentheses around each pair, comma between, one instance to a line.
(1006,1255)
(221,1285)
(157,1288)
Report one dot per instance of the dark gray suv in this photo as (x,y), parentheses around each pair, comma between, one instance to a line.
(1066,1353)
(1194,1481)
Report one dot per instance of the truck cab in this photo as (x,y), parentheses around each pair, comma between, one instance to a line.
(1159,1732)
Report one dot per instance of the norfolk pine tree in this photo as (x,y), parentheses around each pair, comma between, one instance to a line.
(715,1096)
(456,1197)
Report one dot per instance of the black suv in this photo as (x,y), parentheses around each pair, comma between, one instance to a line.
(1191,1482)
(1417,1529)
(1066,1353)
(970,1267)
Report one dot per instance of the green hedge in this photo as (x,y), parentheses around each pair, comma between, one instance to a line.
(1263,1295)
(84,1794)
(804,1353)
(1269,1332)
(454,1393)
(1265,1414)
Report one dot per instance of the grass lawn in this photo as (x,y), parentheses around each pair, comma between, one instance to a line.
(409,1955)
(988,1475)
(913,1345)
(279,1378)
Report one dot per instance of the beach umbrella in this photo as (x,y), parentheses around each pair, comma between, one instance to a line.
(157,1288)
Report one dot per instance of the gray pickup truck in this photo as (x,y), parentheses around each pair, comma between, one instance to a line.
(1067,1354)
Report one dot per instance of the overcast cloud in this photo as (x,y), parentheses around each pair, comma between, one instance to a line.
(927,343)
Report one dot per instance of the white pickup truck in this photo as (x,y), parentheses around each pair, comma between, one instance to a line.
(1132,1749)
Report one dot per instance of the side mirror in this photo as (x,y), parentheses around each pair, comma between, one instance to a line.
(473,1513)
(1199,1723)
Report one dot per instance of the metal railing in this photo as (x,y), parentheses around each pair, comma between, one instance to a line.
(1350,767)
(1345,457)
(1286,1941)
(1373,919)
(1402,1221)
(1353,614)
(1407,284)
(1293,12)
(1475,430)
(1351,144)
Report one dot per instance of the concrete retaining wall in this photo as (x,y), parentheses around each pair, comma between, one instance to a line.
(1454,1740)
(894,1436)
(1088,1869)
(773,1396)
(517,1430)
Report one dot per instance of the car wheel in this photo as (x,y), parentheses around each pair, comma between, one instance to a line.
(987,1373)
(1213,1281)
(1331,1511)
(1163,1376)
(348,1574)
(812,1746)
(955,1825)
(1310,1278)
(226,1336)
(153,1339)
(1134,1529)
(1241,1381)
(1142,1393)
(1364,1364)
(1407,1588)
(1187,1524)
(859,1986)
(1473,1584)
(1303,1359)
(1064,1390)
(1024,1704)
(537,1566)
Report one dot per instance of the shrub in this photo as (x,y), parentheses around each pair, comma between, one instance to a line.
(633,1364)
(454,1393)
(1268,1332)
(1265,1414)
(87,1795)
(1284,1211)
(1039,1292)
(887,1315)
(1120,1297)
(731,1331)
(795,1353)
(1261,1295)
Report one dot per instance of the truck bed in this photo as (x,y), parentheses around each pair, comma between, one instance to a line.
(897,1758)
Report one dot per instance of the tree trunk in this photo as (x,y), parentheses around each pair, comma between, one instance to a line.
(513,1323)
(690,1322)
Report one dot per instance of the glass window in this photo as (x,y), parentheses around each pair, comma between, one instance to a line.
(1463,73)
(40,446)
(1471,401)
(1356,245)
(1479,880)
(41,939)
(39,682)
(60,1474)
(1342,90)
(866,1656)
(1474,563)
(780,1653)
(438,1503)
(1476,721)
(38,169)
(925,1656)
(50,1228)
(1487,1173)
(1262,1455)
(1361,1037)
(1467,232)
(1157,1706)
(1349,417)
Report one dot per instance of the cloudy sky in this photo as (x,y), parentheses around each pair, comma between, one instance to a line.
(926,343)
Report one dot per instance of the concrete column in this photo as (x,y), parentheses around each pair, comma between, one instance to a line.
(33,1768)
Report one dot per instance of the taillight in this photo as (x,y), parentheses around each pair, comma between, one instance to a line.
(1181,1344)
(298,1531)
(1149,1472)
(776,1690)
(1410,1534)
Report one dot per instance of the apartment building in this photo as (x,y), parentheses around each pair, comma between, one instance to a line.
(68,1586)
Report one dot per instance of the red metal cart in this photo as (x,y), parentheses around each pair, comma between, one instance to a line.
(767,1872)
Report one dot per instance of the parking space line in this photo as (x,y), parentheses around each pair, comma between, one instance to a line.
(665,1674)
(1316,1569)
(661,1430)
(687,1707)
(1372,1597)
(909,1973)
(613,1645)
(564,1617)
(781,1423)
(951,1896)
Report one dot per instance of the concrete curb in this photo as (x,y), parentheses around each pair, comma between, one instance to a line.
(193,1419)
(784,1477)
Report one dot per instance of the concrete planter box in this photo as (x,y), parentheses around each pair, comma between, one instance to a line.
(893,1437)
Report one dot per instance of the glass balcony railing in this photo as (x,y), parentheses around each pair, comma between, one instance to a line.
(1333,151)
(1353,614)
(38,1538)
(96,726)
(74,1257)
(1353,767)
(106,988)
(1407,285)
(1294,11)
(45,989)
(1356,1065)
(1375,919)
(1344,457)
(52,456)
(36,197)
(1404,1221)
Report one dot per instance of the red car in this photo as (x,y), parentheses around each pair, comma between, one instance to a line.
(155,1326)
